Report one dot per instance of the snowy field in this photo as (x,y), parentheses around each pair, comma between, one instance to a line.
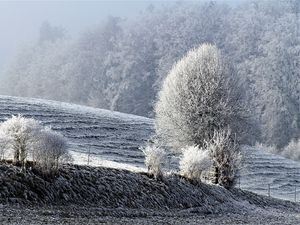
(113,140)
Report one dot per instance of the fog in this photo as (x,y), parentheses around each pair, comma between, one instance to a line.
(20,20)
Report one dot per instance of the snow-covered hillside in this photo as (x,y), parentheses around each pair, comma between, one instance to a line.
(113,140)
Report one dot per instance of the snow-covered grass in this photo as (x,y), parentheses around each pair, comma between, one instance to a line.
(98,161)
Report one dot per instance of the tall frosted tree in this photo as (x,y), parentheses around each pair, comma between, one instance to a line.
(199,95)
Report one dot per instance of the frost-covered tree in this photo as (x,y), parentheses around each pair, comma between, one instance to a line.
(49,33)
(199,95)
(193,162)
(20,131)
(263,41)
(26,139)
(50,149)
(155,157)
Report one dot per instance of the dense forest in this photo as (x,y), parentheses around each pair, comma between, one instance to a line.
(120,65)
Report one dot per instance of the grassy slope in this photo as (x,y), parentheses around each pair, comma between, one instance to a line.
(112,188)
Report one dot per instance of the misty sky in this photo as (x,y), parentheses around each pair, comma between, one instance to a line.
(20,20)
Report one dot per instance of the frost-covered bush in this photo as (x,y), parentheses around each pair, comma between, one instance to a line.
(155,157)
(21,133)
(193,162)
(50,150)
(226,156)
(292,150)
(266,148)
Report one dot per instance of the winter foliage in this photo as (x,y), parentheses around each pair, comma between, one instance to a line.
(199,105)
(226,156)
(155,158)
(193,162)
(291,151)
(50,150)
(26,139)
(198,96)
(21,133)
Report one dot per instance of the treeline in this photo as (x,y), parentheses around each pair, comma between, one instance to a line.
(120,65)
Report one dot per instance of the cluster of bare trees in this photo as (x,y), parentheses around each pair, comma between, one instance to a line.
(25,139)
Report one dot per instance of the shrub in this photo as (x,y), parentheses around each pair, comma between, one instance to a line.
(266,148)
(292,150)
(50,150)
(154,159)
(226,156)
(193,162)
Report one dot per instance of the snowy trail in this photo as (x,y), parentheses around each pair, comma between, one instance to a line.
(113,140)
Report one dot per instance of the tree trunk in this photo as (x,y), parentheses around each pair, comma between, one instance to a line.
(16,156)
(216,175)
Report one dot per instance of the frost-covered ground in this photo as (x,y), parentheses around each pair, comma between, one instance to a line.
(113,140)
(91,195)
